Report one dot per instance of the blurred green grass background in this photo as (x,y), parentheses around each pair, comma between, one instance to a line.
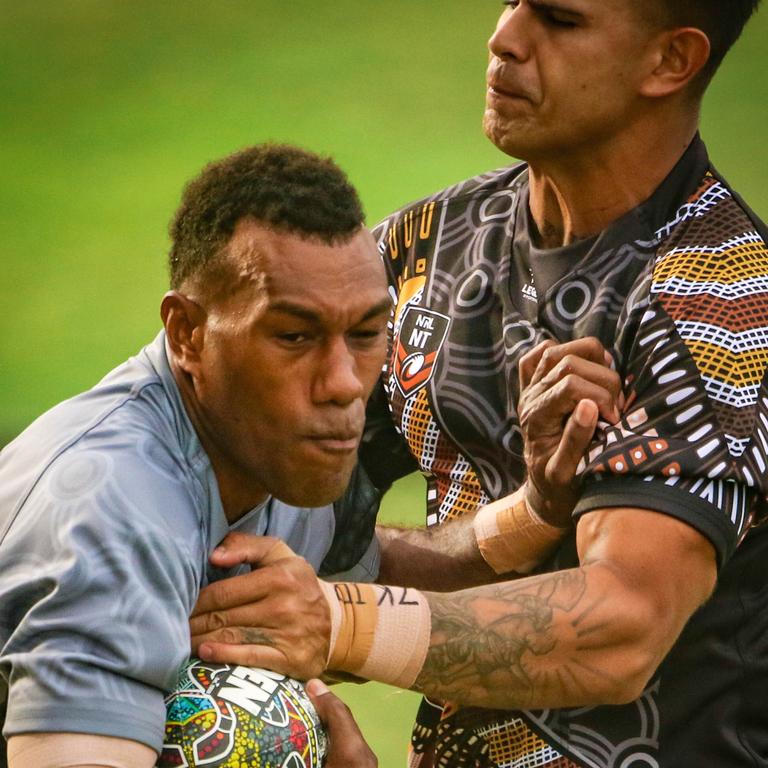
(108,106)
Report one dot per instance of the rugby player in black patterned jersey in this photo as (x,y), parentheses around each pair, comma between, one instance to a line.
(639,635)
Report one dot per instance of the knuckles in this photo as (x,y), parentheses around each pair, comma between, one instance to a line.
(229,635)
(215,621)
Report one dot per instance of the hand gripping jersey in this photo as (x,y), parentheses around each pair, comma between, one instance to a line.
(677,289)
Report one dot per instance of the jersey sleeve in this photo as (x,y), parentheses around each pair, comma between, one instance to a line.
(693,350)
(98,575)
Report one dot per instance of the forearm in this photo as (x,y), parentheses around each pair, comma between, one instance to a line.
(585,636)
(438,559)
(501,539)
(572,638)
(553,640)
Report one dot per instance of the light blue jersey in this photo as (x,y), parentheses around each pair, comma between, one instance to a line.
(109,509)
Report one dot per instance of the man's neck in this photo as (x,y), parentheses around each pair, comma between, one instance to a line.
(236,488)
(579,195)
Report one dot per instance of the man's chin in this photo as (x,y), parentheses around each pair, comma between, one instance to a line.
(315,491)
(501,133)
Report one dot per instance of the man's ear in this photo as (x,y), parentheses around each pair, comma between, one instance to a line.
(679,56)
(184,321)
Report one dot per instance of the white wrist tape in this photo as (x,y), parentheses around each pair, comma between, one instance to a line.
(511,536)
(378,633)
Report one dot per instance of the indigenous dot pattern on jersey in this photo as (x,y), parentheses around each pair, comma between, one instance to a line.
(222,716)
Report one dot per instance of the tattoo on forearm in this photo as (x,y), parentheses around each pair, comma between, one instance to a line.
(515,638)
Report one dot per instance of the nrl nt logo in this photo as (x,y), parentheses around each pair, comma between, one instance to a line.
(422,333)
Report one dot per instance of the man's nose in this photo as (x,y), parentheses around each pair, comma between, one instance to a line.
(510,38)
(337,379)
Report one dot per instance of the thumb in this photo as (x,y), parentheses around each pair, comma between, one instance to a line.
(346,746)
(577,435)
(339,723)
(237,548)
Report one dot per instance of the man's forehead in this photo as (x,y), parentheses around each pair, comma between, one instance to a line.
(311,279)
(264,246)
(361,306)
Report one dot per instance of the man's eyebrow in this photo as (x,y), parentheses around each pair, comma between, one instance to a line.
(312,316)
(383,307)
(297,310)
(553,5)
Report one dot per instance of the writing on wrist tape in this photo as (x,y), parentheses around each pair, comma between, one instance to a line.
(511,536)
(377,632)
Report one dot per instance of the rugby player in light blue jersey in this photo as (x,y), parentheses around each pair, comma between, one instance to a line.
(244,414)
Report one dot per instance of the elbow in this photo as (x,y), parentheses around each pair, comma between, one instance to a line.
(642,642)
(626,684)
(628,688)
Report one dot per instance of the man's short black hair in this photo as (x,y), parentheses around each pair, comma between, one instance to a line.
(278,185)
(721,20)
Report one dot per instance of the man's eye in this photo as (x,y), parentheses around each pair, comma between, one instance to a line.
(363,334)
(293,337)
(511,3)
(553,17)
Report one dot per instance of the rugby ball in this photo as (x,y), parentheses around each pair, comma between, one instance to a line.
(227,716)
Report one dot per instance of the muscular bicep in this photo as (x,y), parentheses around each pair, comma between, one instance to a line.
(659,566)
(77,750)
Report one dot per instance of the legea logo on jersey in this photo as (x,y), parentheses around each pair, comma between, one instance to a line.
(422,333)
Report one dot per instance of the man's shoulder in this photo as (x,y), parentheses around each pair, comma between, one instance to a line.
(713,255)
(712,217)
(117,403)
(497,182)
(123,429)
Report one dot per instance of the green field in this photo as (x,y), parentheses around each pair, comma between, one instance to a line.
(108,106)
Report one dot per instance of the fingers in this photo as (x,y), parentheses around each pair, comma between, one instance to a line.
(577,435)
(291,575)
(529,362)
(574,379)
(347,747)
(231,592)
(262,656)
(545,415)
(256,612)
(259,648)
(238,548)
(585,349)
(268,599)
(256,648)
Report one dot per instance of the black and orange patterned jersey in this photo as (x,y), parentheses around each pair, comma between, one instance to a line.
(677,289)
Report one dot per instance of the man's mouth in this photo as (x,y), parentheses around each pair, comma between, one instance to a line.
(500,89)
(336,442)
